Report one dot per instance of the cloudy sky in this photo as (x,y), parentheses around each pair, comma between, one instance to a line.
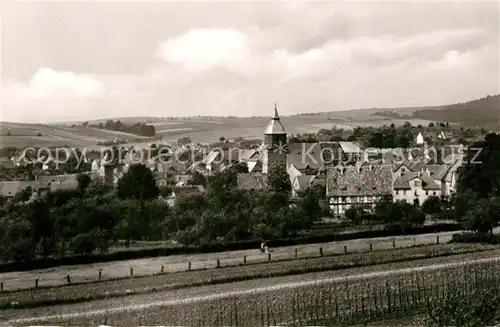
(79,61)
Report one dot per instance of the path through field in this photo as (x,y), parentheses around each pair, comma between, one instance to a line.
(129,305)
(150,266)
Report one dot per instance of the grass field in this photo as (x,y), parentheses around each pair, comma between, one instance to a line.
(378,292)
(149,266)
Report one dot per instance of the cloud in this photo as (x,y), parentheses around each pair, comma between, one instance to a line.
(47,82)
(202,49)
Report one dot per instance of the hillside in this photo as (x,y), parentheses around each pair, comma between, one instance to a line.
(484,112)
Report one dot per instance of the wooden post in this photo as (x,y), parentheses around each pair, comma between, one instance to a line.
(321,251)
(244,259)
(296,253)
(189,265)
(100,274)
(345,248)
(393,243)
(131,271)
(68,278)
(1,287)
(218,263)
(371,246)
(162,268)
(36,283)
(269,257)
(437,239)
(414,242)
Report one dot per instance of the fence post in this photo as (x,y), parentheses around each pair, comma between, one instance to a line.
(321,251)
(218,263)
(371,246)
(393,243)
(345,248)
(189,265)
(269,257)
(68,278)
(131,271)
(437,239)
(162,268)
(100,274)
(36,283)
(1,287)
(414,242)
(296,253)
(244,259)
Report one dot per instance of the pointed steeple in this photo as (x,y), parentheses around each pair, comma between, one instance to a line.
(276,116)
(274,126)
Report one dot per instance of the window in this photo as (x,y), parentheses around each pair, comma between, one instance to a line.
(433,193)
(426,192)
(404,192)
(397,192)
(418,183)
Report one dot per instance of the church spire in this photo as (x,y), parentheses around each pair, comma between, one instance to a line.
(275,116)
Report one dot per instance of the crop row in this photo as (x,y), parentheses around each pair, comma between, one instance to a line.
(335,303)
(140,285)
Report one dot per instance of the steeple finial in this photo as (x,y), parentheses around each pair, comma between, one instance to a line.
(275,116)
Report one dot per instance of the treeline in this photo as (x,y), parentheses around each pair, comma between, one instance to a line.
(137,128)
(93,217)
(374,137)
(484,112)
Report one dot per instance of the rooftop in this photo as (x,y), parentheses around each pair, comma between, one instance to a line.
(274,126)
(359,181)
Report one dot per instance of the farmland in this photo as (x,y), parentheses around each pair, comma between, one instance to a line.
(347,296)
(149,266)
(198,129)
(163,281)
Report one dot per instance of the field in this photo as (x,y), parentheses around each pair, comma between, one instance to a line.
(38,135)
(198,129)
(344,297)
(149,266)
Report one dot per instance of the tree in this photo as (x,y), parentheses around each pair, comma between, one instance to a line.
(84,181)
(431,205)
(138,183)
(197,178)
(358,213)
(278,180)
(183,141)
(481,172)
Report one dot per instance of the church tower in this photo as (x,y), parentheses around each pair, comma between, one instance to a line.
(275,143)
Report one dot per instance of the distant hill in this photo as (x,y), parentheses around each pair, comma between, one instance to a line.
(484,112)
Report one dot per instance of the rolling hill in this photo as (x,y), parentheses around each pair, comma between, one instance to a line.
(483,112)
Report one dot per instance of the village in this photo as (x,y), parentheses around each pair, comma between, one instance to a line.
(350,175)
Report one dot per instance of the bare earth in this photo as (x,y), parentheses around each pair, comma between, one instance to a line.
(131,304)
(150,266)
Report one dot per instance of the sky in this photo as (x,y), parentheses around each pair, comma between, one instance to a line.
(76,61)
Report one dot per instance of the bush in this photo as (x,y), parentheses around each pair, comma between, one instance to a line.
(471,237)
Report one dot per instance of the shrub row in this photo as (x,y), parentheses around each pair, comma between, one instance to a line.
(473,237)
(221,247)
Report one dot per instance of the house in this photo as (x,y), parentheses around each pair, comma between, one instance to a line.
(67,186)
(303,182)
(11,188)
(419,140)
(252,181)
(304,156)
(442,136)
(415,187)
(356,185)
(351,150)
(57,179)
(180,192)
